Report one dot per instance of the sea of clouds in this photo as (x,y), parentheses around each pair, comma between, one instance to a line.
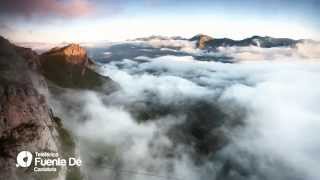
(258,118)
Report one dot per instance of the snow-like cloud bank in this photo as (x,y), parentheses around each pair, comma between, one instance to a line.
(279,139)
(170,43)
(181,118)
(309,49)
(302,51)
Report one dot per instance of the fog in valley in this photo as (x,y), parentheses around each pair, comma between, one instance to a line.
(186,114)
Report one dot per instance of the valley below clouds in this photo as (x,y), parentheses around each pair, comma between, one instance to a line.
(188,114)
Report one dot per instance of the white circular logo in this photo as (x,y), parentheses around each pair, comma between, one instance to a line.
(24,159)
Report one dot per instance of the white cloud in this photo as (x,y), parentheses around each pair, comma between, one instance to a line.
(278,94)
(303,51)
(283,120)
(309,49)
(281,99)
(171,44)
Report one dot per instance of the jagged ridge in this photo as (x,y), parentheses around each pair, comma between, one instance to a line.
(207,42)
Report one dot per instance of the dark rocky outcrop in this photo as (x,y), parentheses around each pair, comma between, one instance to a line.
(70,67)
(266,42)
(201,40)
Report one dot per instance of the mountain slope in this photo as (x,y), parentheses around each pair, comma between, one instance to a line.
(26,121)
(69,67)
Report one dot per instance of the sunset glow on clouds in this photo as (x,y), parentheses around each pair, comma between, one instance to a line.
(29,8)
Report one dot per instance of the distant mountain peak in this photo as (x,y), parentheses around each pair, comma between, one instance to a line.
(207,42)
(201,40)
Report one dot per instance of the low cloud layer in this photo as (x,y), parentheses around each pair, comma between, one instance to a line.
(309,49)
(279,139)
(302,51)
(171,44)
(181,118)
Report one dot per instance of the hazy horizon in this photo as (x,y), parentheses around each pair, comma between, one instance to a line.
(90,21)
(156,35)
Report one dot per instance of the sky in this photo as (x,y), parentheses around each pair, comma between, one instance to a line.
(57,21)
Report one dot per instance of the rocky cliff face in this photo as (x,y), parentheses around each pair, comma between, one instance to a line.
(70,67)
(26,121)
(73,53)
